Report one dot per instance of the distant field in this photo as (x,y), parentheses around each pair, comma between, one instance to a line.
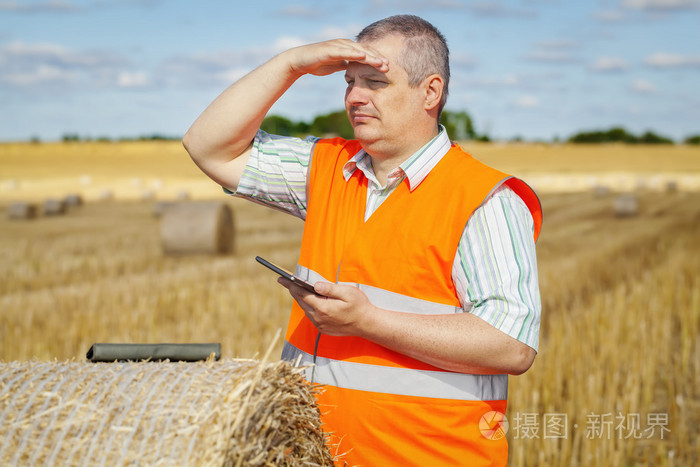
(617,377)
(133,170)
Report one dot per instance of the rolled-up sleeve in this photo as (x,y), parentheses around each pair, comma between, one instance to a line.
(276,172)
(495,271)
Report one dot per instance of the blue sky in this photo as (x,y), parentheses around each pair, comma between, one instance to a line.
(530,68)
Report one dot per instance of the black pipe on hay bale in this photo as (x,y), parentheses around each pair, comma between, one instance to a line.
(232,412)
(22,211)
(197,228)
(54,207)
(73,200)
(626,205)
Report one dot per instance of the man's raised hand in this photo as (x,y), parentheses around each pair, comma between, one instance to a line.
(325,58)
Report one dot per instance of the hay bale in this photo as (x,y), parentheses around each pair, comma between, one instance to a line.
(22,211)
(197,228)
(148,195)
(671,186)
(161,206)
(626,205)
(232,412)
(601,191)
(54,207)
(106,195)
(73,200)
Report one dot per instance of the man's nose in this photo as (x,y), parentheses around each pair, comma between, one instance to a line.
(356,95)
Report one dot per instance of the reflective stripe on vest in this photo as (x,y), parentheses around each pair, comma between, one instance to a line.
(389,300)
(402,381)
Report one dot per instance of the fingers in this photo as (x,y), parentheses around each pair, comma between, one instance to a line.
(365,54)
(328,57)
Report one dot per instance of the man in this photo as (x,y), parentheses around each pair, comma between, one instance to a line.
(422,258)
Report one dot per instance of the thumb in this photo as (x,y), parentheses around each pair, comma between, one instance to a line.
(329,289)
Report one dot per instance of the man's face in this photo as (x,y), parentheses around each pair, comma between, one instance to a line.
(382,106)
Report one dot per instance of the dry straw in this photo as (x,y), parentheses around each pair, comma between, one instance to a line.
(232,412)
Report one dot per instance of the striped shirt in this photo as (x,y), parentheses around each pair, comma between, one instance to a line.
(495,268)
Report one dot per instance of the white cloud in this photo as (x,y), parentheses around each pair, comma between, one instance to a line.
(551,56)
(527,102)
(496,8)
(609,16)
(554,51)
(558,44)
(50,6)
(300,11)
(126,79)
(609,64)
(283,43)
(462,60)
(643,86)
(334,32)
(509,80)
(669,60)
(406,5)
(661,5)
(25,64)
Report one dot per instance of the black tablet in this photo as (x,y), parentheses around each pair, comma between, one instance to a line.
(286,274)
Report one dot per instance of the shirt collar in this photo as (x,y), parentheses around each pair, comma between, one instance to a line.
(415,168)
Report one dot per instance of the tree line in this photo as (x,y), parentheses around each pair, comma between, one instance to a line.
(459,126)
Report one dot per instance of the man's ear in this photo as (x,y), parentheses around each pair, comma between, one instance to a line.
(433,86)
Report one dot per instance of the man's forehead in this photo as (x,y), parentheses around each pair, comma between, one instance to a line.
(363,69)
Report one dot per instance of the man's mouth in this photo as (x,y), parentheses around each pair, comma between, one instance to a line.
(360,117)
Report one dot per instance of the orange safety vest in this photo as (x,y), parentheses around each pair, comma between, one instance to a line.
(379,407)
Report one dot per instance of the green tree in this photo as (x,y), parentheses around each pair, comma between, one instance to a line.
(278,126)
(70,138)
(652,138)
(459,125)
(613,135)
(694,139)
(334,123)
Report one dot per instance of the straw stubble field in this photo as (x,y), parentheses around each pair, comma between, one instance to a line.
(616,381)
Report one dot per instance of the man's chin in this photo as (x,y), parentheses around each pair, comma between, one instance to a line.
(363,134)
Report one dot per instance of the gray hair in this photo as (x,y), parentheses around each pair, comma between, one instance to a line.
(424,52)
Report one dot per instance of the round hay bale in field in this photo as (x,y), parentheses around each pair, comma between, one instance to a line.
(231,412)
(106,195)
(73,200)
(626,205)
(197,228)
(601,191)
(148,195)
(22,211)
(161,206)
(671,186)
(54,207)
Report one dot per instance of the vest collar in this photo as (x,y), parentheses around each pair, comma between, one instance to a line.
(415,168)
